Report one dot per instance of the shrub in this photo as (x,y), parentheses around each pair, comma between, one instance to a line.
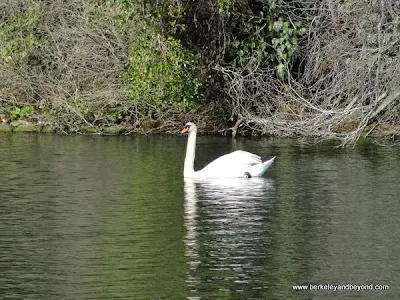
(17,31)
(162,74)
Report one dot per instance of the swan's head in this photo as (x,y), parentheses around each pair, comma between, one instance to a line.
(189,127)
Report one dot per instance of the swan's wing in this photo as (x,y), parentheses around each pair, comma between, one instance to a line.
(233,164)
(236,158)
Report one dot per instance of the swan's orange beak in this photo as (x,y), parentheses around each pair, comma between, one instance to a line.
(185,129)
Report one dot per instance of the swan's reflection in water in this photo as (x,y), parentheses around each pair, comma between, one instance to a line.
(226,222)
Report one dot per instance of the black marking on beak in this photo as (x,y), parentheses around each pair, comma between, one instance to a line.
(185,129)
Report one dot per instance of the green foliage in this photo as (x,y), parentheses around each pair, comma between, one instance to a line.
(285,42)
(17,35)
(240,52)
(165,15)
(120,14)
(118,115)
(20,112)
(162,73)
(224,7)
(175,13)
(267,38)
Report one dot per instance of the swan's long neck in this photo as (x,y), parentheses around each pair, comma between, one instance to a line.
(188,168)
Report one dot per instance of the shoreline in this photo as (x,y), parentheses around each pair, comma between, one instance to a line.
(23,126)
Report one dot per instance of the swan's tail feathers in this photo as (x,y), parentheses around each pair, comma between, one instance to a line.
(259,169)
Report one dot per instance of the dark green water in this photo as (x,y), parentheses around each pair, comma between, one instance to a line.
(88,217)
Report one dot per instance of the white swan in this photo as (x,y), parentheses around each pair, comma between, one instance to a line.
(236,164)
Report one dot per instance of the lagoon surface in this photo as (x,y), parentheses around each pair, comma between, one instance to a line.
(110,217)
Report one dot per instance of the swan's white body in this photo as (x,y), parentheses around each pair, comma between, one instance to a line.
(236,164)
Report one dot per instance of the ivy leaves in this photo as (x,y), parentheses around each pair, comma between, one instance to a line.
(285,40)
(268,37)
